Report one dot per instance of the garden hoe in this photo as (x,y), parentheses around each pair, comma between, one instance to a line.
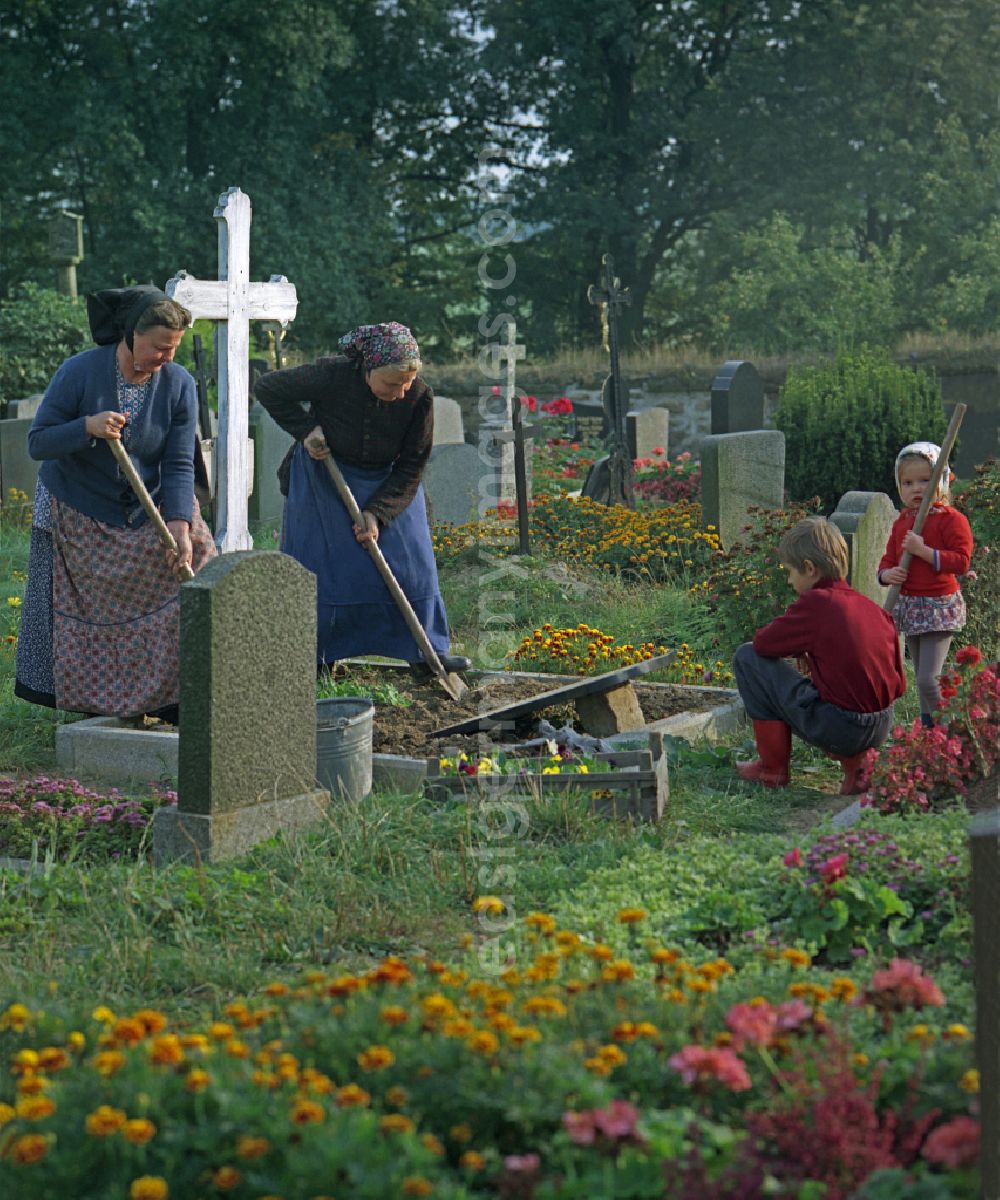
(453,684)
(146,500)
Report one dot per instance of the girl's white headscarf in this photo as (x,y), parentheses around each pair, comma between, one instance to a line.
(932,453)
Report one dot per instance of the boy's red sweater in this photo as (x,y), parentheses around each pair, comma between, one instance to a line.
(850,643)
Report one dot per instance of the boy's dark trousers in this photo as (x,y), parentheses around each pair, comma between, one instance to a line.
(773,690)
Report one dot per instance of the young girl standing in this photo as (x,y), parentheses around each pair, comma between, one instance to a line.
(930,607)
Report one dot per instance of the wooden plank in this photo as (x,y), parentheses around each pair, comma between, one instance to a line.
(585,686)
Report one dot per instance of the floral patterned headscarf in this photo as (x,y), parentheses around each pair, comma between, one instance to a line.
(388,345)
(932,453)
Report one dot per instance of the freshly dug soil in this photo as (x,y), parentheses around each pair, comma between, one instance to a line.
(406,731)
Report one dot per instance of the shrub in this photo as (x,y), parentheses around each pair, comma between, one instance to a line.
(980,501)
(845,422)
(38,329)
(924,768)
(746,586)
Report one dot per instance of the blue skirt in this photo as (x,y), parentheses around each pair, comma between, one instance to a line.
(355,612)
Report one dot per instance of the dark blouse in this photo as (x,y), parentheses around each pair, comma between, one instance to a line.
(359,428)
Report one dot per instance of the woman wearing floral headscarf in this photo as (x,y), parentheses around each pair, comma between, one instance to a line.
(370,409)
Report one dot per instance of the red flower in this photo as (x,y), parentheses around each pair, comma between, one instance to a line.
(753,1024)
(954,1145)
(968,656)
(531,404)
(695,1063)
(834,868)
(495,389)
(659,450)
(793,858)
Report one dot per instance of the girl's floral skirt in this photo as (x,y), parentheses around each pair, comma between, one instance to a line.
(915,615)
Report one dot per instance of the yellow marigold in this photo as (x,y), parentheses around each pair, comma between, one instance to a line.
(920,1033)
(618,971)
(28,1149)
(76,1040)
(316,1082)
(376,1058)
(484,1042)
(396,1096)
(108,1062)
(128,1030)
(795,957)
(35,1108)
(600,952)
(435,1005)
(472,1160)
(631,916)
(461,1027)
(500,1020)
(393,1014)
(148,1187)
(391,970)
(970,1081)
(461,1133)
(197,1080)
(675,996)
(25,1060)
(431,1143)
(307,1112)
(598,1066)
(53,1058)
(104,1121)
(396,1123)
(103,1015)
(488,904)
(344,985)
(417,1185)
(860,1060)
(568,939)
(226,1178)
(352,1096)
(663,957)
(220,1031)
(138,1131)
(540,921)
(31,1085)
(151,1019)
(957,1033)
(520,1035)
(624,1031)
(843,988)
(166,1050)
(250,1148)
(647,1029)
(550,1006)
(7,1114)
(15,1017)
(276,988)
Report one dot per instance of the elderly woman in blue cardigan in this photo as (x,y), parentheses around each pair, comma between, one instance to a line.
(100,624)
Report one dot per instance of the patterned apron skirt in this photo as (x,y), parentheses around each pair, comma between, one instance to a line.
(115,614)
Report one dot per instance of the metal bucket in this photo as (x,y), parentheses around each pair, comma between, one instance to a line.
(344,746)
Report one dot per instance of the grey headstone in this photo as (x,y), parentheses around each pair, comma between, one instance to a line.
(26,408)
(18,470)
(648,429)
(449,429)
(984,841)
(738,470)
(737,398)
(247,757)
(865,518)
(453,481)
(270,444)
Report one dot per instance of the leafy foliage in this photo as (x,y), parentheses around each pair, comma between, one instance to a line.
(38,329)
(845,422)
(980,501)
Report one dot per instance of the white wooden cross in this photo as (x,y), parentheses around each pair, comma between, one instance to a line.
(235,301)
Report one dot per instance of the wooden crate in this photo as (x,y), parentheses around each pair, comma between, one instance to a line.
(638,786)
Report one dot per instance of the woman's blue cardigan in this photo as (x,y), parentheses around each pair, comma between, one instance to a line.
(82,472)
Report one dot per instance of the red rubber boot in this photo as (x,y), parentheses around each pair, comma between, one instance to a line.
(853,771)
(774,744)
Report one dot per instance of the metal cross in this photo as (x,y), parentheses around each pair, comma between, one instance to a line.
(611,297)
(510,351)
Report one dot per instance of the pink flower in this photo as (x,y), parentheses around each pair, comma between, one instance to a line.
(954,1145)
(793,858)
(525,1164)
(791,1014)
(616,1122)
(696,1063)
(903,985)
(659,450)
(752,1024)
(495,389)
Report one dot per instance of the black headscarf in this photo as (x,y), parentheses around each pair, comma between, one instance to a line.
(113,313)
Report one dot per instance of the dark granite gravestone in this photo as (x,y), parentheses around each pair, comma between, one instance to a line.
(737,398)
(247,754)
(591,420)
